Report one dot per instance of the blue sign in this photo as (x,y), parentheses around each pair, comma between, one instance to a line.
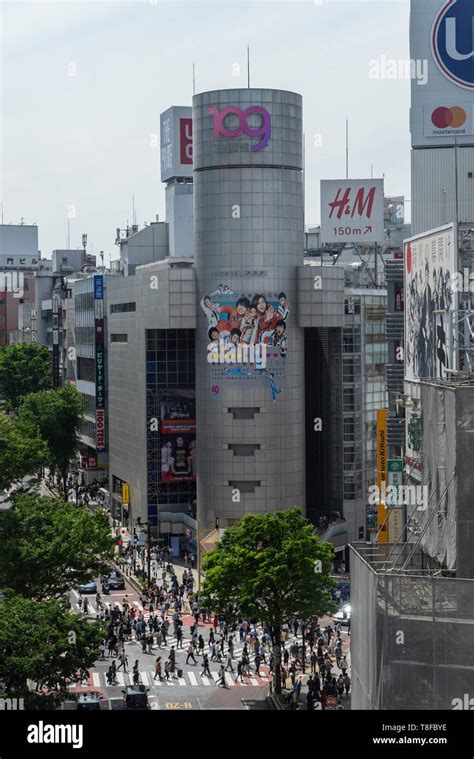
(98,287)
(453,42)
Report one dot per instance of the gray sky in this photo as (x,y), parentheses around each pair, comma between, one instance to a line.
(83,84)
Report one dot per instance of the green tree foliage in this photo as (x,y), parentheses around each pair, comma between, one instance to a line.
(45,643)
(271,568)
(58,415)
(48,546)
(24,369)
(22,452)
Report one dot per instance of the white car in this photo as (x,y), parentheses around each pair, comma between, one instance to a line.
(343,616)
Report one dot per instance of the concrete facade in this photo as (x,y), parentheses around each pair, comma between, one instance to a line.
(249,238)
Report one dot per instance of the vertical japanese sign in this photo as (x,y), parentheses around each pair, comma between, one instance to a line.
(56,357)
(396,515)
(382,522)
(99,362)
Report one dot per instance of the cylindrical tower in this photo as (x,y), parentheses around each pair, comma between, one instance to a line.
(249,238)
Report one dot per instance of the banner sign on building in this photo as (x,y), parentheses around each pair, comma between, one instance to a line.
(352,210)
(99,363)
(178,439)
(125,494)
(176,143)
(382,522)
(430,303)
(56,352)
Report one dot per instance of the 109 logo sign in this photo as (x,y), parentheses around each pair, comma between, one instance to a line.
(264,130)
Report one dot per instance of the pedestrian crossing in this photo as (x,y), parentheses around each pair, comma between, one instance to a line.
(97,680)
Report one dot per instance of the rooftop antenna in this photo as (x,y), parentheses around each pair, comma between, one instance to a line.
(134,216)
(248,66)
(347,148)
(68,236)
(194,79)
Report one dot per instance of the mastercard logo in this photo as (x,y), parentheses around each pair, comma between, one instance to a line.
(454,117)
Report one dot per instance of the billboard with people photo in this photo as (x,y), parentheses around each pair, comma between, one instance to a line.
(247,336)
(178,439)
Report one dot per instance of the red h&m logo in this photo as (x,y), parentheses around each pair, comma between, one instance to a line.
(186,140)
(345,206)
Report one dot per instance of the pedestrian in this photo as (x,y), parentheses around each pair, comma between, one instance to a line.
(344,665)
(313,660)
(190,654)
(135,673)
(158,669)
(123,662)
(229,663)
(201,645)
(257,660)
(240,671)
(221,680)
(179,638)
(167,669)
(347,683)
(292,673)
(205,663)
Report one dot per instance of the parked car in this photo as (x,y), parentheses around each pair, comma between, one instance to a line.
(343,616)
(113,581)
(87,587)
(135,698)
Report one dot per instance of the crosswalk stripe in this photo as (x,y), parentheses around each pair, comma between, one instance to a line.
(228,679)
(215,676)
(192,678)
(144,677)
(205,680)
(120,678)
(182,681)
(96,679)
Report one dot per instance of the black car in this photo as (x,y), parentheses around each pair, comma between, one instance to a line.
(113,581)
(135,698)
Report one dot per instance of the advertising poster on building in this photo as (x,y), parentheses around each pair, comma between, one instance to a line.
(430,303)
(176,142)
(352,210)
(247,335)
(178,439)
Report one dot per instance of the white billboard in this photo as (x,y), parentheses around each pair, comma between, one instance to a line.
(352,210)
(442,46)
(430,303)
(440,121)
(176,142)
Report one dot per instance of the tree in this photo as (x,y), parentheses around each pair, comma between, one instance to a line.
(46,643)
(58,416)
(270,567)
(24,369)
(48,546)
(22,452)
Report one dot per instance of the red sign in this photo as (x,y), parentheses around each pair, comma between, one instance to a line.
(186,140)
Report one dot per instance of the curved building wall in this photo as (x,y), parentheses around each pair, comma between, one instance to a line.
(249,239)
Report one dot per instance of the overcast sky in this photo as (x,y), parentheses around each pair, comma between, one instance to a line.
(83,84)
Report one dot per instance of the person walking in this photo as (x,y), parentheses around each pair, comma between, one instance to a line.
(179,637)
(172,658)
(136,674)
(201,645)
(167,669)
(190,654)
(240,670)
(158,669)
(344,665)
(258,661)
(229,663)
(205,664)
(123,661)
(221,680)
